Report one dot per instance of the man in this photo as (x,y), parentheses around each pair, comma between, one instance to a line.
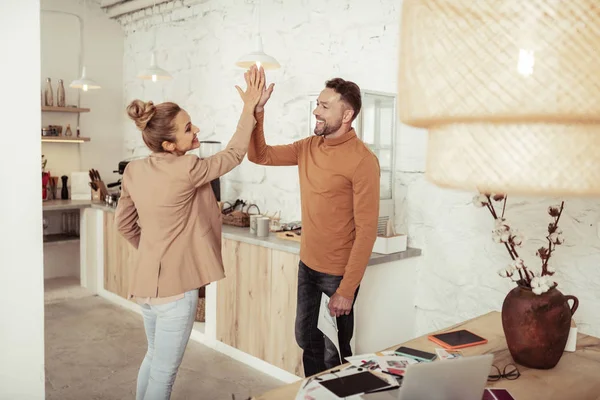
(339,189)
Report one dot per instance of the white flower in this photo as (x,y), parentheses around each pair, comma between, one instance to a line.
(480,200)
(505,237)
(557,237)
(548,281)
(541,284)
(518,239)
(551,269)
(506,272)
(497,236)
(518,263)
(537,290)
(501,224)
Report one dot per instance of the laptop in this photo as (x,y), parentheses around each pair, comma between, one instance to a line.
(464,378)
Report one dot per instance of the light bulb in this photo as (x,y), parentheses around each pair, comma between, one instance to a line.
(526,62)
(85,88)
(153,78)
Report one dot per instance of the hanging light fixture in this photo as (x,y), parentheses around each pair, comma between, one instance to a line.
(154,72)
(258,57)
(84,83)
(508,91)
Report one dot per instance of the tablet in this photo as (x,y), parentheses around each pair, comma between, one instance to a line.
(351,385)
(457,339)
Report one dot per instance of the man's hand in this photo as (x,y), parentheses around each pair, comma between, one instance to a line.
(339,305)
(266,94)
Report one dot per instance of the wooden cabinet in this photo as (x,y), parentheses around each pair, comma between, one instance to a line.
(256,304)
(118,258)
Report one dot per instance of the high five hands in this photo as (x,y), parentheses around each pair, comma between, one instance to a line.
(255,87)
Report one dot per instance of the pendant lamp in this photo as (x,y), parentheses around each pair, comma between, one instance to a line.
(509,91)
(258,56)
(84,83)
(154,72)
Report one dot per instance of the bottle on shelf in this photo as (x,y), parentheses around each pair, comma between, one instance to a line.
(48,94)
(78,133)
(60,94)
(68,131)
(64,193)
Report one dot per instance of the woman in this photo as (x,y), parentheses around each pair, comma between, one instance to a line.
(168,211)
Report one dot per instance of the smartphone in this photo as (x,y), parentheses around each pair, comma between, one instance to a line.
(416,354)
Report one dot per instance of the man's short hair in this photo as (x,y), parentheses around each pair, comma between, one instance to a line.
(349,93)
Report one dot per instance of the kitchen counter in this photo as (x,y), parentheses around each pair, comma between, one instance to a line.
(235,233)
(61,205)
(290,246)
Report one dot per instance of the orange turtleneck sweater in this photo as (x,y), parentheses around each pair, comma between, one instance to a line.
(339,191)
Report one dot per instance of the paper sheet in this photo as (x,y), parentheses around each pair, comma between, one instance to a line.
(328,324)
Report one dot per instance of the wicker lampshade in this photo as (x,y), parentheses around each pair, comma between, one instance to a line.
(509,90)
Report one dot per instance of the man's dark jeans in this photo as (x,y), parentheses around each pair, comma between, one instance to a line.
(319,353)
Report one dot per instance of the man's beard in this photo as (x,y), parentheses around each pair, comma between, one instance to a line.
(328,129)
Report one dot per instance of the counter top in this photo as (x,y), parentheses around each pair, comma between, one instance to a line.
(58,205)
(234,233)
(275,243)
(61,205)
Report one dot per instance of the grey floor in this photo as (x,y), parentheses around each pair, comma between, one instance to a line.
(94,348)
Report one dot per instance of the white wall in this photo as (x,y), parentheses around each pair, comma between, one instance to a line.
(200,45)
(357,40)
(103,57)
(21,286)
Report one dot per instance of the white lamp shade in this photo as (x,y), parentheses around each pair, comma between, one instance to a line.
(258,57)
(154,72)
(84,83)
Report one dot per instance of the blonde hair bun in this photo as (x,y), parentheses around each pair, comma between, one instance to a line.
(141,112)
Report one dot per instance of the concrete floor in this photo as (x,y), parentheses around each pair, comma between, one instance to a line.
(94,349)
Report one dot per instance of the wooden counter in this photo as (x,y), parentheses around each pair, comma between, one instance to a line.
(575,376)
(256,303)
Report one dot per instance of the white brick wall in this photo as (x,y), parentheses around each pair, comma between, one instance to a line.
(357,40)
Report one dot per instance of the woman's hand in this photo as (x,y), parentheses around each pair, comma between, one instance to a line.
(254,87)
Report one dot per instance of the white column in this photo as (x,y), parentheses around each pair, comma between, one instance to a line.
(21,258)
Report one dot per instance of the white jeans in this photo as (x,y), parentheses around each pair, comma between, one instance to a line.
(168,328)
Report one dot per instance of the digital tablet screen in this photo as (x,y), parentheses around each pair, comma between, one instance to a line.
(459,338)
(351,385)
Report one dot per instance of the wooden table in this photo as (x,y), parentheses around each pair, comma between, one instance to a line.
(576,377)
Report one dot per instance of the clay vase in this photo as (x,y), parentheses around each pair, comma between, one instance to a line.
(537,326)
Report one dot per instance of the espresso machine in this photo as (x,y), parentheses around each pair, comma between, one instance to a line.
(210,148)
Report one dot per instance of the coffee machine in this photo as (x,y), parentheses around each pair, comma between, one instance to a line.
(210,148)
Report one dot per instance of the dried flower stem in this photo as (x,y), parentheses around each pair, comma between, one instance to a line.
(550,247)
(510,248)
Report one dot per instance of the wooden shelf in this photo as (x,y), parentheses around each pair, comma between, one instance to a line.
(65,109)
(64,139)
(60,238)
